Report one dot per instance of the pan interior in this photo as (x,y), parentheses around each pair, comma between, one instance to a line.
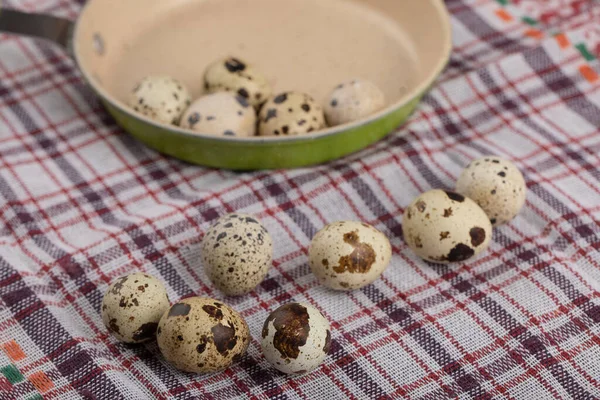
(305,45)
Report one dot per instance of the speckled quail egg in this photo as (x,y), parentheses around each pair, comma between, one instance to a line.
(348,255)
(496,185)
(221,114)
(202,335)
(160,98)
(132,307)
(237,252)
(442,227)
(290,114)
(235,75)
(296,338)
(352,101)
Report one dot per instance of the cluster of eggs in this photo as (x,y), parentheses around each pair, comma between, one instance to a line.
(239,101)
(442,226)
(201,334)
(205,335)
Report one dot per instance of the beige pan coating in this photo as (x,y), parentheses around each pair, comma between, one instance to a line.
(305,45)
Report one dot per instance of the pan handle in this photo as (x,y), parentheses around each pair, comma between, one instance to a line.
(58,30)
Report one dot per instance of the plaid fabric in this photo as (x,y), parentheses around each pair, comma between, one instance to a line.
(83,203)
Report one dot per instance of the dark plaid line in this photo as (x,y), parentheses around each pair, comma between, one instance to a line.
(480,28)
(466,382)
(48,335)
(529,341)
(558,83)
(95,200)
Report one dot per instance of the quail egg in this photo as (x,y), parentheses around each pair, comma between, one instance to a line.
(235,75)
(352,101)
(237,252)
(290,114)
(132,307)
(441,227)
(296,338)
(348,255)
(220,114)
(202,335)
(160,98)
(496,185)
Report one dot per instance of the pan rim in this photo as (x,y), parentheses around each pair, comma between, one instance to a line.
(264,140)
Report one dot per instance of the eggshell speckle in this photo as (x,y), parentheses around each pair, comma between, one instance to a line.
(296,338)
(290,114)
(348,255)
(161,98)
(496,185)
(132,307)
(237,252)
(352,101)
(220,114)
(442,227)
(202,335)
(235,75)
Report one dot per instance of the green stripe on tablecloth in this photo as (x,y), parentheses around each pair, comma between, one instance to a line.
(11,373)
(585,52)
(529,21)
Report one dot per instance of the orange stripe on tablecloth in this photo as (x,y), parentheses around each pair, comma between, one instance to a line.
(588,73)
(41,381)
(13,351)
(534,33)
(562,40)
(503,15)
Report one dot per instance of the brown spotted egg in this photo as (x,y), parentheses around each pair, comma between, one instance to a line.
(202,335)
(496,185)
(237,253)
(161,98)
(348,255)
(441,227)
(132,307)
(290,114)
(235,75)
(352,101)
(220,114)
(296,338)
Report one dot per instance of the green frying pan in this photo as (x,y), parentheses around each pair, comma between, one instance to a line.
(304,45)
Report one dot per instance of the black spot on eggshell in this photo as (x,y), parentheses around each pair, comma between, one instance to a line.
(496,161)
(301,122)
(477,236)
(221,236)
(118,285)
(281,98)
(306,107)
(460,252)
(242,101)
(285,129)
(112,325)
(455,196)
(447,212)
(202,345)
(334,103)
(180,309)
(229,133)
(271,113)
(210,118)
(234,65)
(327,345)
(244,93)
(421,206)
(213,311)
(360,260)
(493,220)
(502,174)
(291,322)
(194,118)
(146,331)
(228,225)
(224,338)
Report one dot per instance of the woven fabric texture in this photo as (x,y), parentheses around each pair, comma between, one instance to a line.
(82,203)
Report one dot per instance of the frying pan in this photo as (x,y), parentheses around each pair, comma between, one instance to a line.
(305,45)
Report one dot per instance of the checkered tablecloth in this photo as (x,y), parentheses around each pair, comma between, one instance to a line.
(82,203)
